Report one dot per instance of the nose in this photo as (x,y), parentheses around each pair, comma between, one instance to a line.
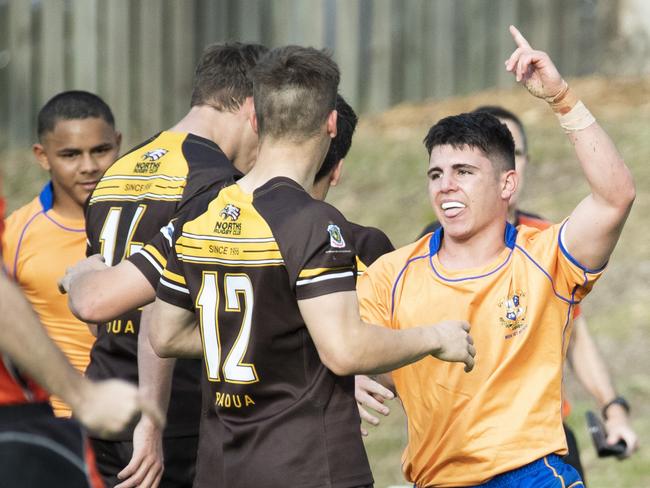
(89,163)
(447,182)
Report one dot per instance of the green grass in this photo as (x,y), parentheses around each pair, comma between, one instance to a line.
(384,185)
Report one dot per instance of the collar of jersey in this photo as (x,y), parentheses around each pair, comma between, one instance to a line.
(46,196)
(510,238)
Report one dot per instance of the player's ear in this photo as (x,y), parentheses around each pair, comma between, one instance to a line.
(118,140)
(253,120)
(331,123)
(509,182)
(41,156)
(336,173)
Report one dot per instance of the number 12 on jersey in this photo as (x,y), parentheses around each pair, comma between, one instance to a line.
(238,293)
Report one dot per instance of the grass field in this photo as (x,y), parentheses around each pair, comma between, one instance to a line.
(384,185)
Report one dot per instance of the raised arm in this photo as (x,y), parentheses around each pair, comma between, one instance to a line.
(104,407)
(596,223)
(346,345)
(98,293)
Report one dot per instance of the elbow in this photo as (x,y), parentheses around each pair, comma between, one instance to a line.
(85,310)
(340,363)
(626,194)
(161,345)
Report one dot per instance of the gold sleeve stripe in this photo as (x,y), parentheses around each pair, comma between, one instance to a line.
(332,276)
(361,268)
(156,254)
(151,260)
(308,273)
(175,277)
(166,283)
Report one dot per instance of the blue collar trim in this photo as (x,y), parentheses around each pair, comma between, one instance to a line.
(47,196)
(509,237)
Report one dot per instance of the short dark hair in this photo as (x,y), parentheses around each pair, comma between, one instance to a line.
(346,122)
(477,130)
(72,105)
(294,91)
(222,76)
(505,114)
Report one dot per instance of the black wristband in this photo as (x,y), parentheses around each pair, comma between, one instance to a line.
(619,400)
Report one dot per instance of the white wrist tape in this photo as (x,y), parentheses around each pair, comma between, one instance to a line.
(578,118)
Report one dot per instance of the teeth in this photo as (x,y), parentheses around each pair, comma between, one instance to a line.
(448,205)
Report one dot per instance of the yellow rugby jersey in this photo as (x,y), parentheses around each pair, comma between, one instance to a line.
(37,247)
(241,267)
(465,428)
(137,196)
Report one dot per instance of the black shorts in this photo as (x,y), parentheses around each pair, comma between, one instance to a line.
(179,457)
(38,449)
(573,456)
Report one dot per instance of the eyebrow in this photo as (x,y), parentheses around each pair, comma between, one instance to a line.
(453,166)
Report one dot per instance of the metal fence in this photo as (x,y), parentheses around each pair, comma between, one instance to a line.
(139,54)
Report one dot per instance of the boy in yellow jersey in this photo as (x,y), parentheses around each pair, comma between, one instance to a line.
(501,425)
(77,143)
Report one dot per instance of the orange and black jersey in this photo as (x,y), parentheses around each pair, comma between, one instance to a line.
(137,196)
(242,266)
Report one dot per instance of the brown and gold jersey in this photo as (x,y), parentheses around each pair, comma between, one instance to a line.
(137,196)
(242,266)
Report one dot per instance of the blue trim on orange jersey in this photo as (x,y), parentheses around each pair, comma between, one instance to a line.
(46,197)
(399,276)
(568,300)
(573,260)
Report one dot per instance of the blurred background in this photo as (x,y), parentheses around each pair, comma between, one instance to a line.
(404,64)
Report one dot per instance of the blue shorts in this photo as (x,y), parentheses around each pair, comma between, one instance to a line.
(548,472)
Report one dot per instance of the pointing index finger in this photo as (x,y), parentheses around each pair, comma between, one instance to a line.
(520,40)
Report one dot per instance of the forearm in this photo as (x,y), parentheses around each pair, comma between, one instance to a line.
(42,360)
(372,349)
(102,295)
(589,366)
(154,372)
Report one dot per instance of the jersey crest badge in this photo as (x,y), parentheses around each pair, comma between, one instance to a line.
(513,315)
(149,162)
(230,212)
(154,155)
(336,238)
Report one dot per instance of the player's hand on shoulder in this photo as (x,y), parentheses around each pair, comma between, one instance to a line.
(534,69)
(92,263)
(108,407)
(454,342)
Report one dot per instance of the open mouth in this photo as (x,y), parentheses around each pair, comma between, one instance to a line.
(452,208)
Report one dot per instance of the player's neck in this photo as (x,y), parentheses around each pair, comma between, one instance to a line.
(299,162)
(209,123)
(66,207)
(475,251)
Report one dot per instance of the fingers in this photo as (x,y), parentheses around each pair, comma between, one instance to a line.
(465,326)
(134,480)
(367,416)
(519,39)
(62,286)
(364,384)
(469,364)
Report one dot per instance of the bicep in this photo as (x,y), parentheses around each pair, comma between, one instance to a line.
(330,320)
(173,331)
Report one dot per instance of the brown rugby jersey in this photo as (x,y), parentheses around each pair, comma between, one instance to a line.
(242,266)
(137,196)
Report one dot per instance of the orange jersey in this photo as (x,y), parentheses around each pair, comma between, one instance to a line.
(465,428)
(38,245)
